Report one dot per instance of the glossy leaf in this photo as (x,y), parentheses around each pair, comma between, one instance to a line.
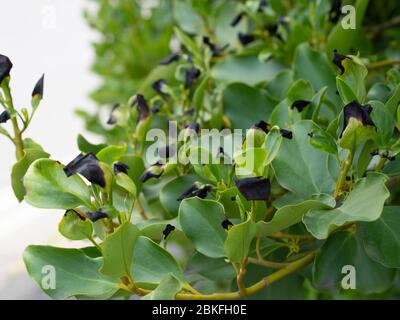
(287,216)
(47,186)
(118,249)
(344,249)
(201,222)
(238,241)
(73,227)
(381,238)
(151,263)
(364,203)
(76,274)
(20,168)
(301,168)
(167,289)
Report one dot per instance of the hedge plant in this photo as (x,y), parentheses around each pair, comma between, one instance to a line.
(303,192)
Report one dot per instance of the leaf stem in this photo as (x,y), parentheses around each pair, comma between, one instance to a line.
(383,63)
(268,264)
(129,285)
(345,169)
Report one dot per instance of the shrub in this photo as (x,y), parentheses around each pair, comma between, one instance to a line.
(297,193)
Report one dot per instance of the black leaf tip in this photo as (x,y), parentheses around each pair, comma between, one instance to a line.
(254,188)
(4,116)
(300,105)
(38,89)
(286,134)
(120,167)
(167,230)
(5,67)
(88,166)
(97,215)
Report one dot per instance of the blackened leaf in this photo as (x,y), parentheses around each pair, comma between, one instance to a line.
(97,215)
(193,126)
(236,20)
(216,51)
(273,31)
(172,58)
(168,229)
(112,119)
(300,105)
(337,60)
(158,86)
(5,67)
(4,116)
(335,11)
(226,224)
(195,191)
(142,107)
(88,166)
(245,38)
(261,125)
(120,167)
(191,75)
(154,171)
(263,4)
(286,134)
(256,188)
(359,112)
(38,89)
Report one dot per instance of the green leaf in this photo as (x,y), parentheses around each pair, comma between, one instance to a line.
(76,274)
(86,147)
(342,249)
(166,290)
(172,190)
(313,66)
(287,216)
(136,169)
(201,222)
(346,39)
(111,154)
(272,144)
(384,122)
(246,69)
(364,203)
(245,105)
(394,101)
(118,250)
(214,269)
(351,84)
(381,238)
(187,18)
(301,168)
(125,182)
(47,186)
(73,227)
(19,170)
(279,86)
(240,236)
(355,134)
(151,263)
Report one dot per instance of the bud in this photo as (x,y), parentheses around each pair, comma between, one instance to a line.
(4,116)
(5,67)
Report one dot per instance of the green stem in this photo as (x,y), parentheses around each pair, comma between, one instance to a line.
(345,169)
(19,145)
(383,63)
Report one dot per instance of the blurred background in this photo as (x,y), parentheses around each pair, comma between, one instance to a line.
(51,37)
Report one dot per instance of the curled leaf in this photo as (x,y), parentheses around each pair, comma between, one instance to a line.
(254,188)
(88,166)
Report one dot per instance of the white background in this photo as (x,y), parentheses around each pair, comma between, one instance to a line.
(51,37)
